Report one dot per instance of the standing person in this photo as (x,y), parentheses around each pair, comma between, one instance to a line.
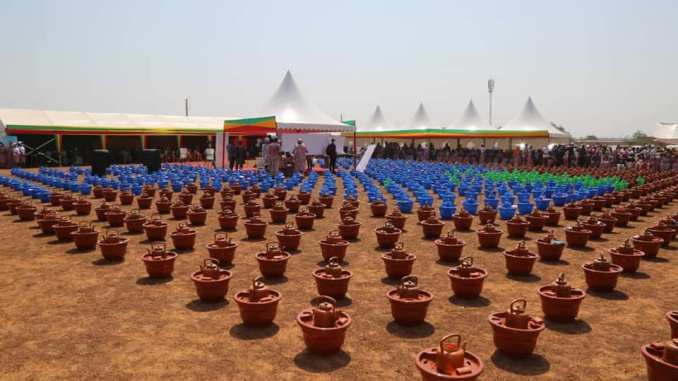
(331,152)
(232,150)
(264,154)
(299,154)
(274,156)
(241,155)
(209,154)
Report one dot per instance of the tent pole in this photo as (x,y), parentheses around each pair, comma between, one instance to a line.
(355,148)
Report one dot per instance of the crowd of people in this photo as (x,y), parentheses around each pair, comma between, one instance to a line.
(298,160)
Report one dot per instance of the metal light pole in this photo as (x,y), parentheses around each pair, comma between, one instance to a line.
(186,105)
(490,89)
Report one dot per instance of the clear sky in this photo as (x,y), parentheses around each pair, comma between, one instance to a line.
(596,67)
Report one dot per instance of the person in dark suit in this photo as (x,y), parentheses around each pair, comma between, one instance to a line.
(331,152)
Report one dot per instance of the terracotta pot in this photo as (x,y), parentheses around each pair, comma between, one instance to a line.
(164,205)
(64,228)
(549,248)
(144,201)
(85,237)
(113,247)
(155,228)
(577,236)
(110,194)
(449,247)
(598,203)
(571,211)
(126,198)
(489,236)
(166,193)
(289,238)
(184,237)
(280,192)
(211,282)
(67,203)
(98,191)
(449,362)
(26,212)
(179,210)
(635,212)
(672,317)
(517,227)
(664,232)
(304,219)
(317,208)
(398,262)
(252,209)
(349,229)
(627,257)
(273,261)
(601,275)
(559,301)
(327,200)
(115,217)
(397,219)
(332,280)
(553,217)
(12,205)
(258,305)
(378,208)
(466,280)
(54,199)
(186,197)
(255,227)
(648,243)
(486,215)
(520,260)
(197,216)
(408,303)
(586,207)
(536,221)
(228,220)
(292,204)
(207,201)
(149,190)
(47,221)
(158,261)
(333,246)
(228,203)
(514,332)
(462,220)
(134,221)
(269,200)
(278,213)
(236,188)
(222,249)
(432,227)
(424,212)
(661,360)
(609,222)
(352,202)
(323,326)
(622,217)
(304,197)
(596,227)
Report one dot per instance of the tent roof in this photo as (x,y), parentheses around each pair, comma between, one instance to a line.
(667,132)
(470,120)
(420,120)
(377,122)
(293,112)
(530,119)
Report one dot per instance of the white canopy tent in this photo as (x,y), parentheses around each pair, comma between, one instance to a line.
(377,122)
(420,120)
(666,133)
(530,119)
(470,120)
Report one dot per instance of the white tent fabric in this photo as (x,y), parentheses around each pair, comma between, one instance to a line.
(470,120)
(530,119)
(666,132)
(293,112)
(420,120)
(377,122)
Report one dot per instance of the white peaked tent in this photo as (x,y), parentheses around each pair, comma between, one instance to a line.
(470,120)
(377,122)
(666,132)
(531,120)
(295,114)
(420,120)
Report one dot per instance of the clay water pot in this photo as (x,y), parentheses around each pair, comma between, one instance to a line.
(648,243)
(158,261)
(66,202)
(449,362)
(333,246)
(327,200)
(222,249)
(408,303)
(211,282)
(626,256)
(424,212)
(517,227)
(26,212)
(47,221)
(432,227)
(208,190)
(110,194)
(98,191)
(672,317)
(255,227)
(549,248)
(113,246)
(278,213)
(186,197)
(487,215)
(332,280)
(559,301)
(467,280)
(661,360)
(601,275)
(397,219)
(598,203)
(54,199)
(596,227)
(155,228)
(398,262)
(252,208)
(663,231)
(635,212)
(304,197)
(115,217)
(645,207)
(183,237)
(323,326)
(85,237)
(228,220)
(134,221)
(144,201)
(292,204)
(83,207)
(197,215)
(229,203)
(553,217)
(317,208)
(236,188)
(63,229)
(4,200)
(272,261)
(179,210)
(378,208)
(163,205)
(12,205)
(166,193)
(304,219)
(352,201)
(207,201)
(126,198)
(572,211)
(348,210)
(349,228)
(280,193)
(462,220)
(193,189)
(515,333)
(449,247)
(226,191)
(289,238)
(269,200)
(609,222)
(387,235)
(149,190)
(622,215)
(536,220)
(258,305)
(586,207)
(520,260)
(577,236)
(489,236)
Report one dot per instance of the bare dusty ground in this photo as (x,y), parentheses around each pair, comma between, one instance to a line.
(69,315)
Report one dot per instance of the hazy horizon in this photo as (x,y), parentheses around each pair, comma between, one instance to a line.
(604,67)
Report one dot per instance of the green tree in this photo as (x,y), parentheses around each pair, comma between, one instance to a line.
(639,137)
(591,137)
